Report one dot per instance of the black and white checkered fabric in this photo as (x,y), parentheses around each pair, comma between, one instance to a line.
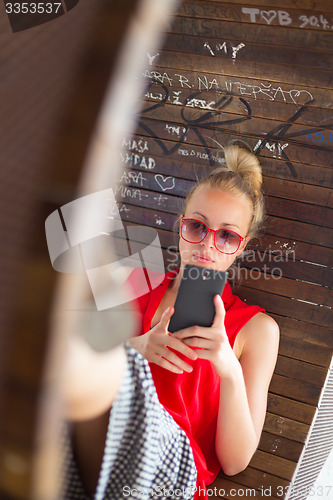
(146,453)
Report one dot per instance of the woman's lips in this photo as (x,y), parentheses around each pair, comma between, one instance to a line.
(203,258)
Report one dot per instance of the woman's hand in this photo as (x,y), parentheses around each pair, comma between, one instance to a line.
(154,346)
(213,342)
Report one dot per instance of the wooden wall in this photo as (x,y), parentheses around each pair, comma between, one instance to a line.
(257,73)
(204,89)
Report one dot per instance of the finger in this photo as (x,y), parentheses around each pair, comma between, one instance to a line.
(165,318)
(213,333)
(201,343)
(164,363)
(174,359)
(193,331)
(219,312)
(177,345)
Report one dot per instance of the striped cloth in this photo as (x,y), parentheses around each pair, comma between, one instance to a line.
(146,453)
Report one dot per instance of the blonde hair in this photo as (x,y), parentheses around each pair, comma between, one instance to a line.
(242,177)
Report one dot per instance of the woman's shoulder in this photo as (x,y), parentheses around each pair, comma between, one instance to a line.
(238,312)
(262,322)
(258,334)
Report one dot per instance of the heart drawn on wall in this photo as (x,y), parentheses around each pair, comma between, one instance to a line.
(268,15)
(165,183)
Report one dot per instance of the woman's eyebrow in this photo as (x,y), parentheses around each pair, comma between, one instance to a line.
(234,225)
(224,224)
(201,215)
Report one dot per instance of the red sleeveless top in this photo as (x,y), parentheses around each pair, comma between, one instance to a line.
(193,398)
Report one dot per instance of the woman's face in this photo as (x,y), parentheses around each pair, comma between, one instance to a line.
(218,209)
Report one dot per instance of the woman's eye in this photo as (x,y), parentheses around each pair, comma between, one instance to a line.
(226,235)
(198,226)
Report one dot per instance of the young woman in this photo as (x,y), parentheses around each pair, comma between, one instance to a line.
(214,381)
(200,403)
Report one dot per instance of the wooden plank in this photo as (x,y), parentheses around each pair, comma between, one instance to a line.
(192,166)
(305,351)
(286,407)
(288,269)
(285,427)
(247,52)
(204,19)
(278,145)
(266,462)
(268,484)
(319,5)
(300,391)
(280,206)
(280,446)
(286,287)
(299,370)
(301,231)
(297,250)
(226,488)
(218,119)
(301,75)
(308,174)
(298,191)
(302,331)
(156,182)
(229,102)
(285,267)
(259,88)
(290,209)
(291,308)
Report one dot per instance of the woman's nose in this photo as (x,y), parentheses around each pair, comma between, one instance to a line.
(209,240)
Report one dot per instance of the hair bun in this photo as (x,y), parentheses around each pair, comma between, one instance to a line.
(246,165)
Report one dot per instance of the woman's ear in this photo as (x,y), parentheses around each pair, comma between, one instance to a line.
(243,245)
(245,242)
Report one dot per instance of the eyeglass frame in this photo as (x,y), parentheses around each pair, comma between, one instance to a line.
(214,231)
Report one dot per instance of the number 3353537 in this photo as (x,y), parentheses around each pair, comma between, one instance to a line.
(32,8)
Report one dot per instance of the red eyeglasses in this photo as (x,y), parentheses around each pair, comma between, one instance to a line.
(225,240)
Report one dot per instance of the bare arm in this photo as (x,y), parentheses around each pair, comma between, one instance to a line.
(243,397)
(90,380)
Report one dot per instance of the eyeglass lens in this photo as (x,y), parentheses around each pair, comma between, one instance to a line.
(195,231)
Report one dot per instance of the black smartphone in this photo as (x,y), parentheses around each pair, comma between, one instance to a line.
(194,303)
